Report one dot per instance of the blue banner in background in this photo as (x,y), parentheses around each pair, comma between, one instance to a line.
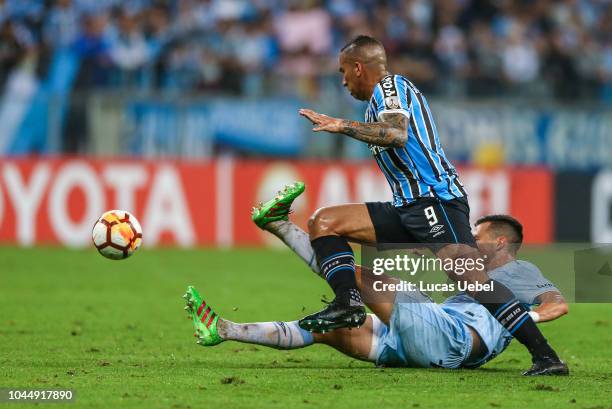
(269,126)
(33,113)
(559,137)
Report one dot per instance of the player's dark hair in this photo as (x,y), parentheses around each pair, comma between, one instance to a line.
(500,222)
(361,41)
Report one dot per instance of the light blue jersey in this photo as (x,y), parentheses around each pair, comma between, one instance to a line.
(524,279)
(425,334)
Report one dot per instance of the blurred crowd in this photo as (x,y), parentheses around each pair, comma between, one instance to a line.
(549,48)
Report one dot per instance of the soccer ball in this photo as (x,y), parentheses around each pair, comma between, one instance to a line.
(117,234)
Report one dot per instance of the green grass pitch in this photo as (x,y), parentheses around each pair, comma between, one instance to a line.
(116,334)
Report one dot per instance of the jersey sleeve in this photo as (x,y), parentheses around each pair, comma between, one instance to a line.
(392,96)
(527,283)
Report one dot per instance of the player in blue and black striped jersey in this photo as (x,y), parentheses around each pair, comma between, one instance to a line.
(429,205)
(419,167)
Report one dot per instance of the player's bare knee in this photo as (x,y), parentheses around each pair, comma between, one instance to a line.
(313,222)
(321,223)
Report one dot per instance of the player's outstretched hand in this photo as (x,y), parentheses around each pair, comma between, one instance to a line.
(322,122)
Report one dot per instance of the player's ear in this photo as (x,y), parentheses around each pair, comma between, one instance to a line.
(501,242)
(358,68)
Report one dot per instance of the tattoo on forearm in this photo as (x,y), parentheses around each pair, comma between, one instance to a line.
(391,132)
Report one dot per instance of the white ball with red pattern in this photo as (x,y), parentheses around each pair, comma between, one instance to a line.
(117,234)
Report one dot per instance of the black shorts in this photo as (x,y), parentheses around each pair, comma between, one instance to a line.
(428,221)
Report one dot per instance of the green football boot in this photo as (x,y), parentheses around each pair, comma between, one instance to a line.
(279,207)
(203,317)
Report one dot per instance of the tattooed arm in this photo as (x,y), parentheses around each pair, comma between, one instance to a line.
(391,132)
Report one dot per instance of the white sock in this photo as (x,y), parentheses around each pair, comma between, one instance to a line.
(296,239)
(378,328)
(279,335)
